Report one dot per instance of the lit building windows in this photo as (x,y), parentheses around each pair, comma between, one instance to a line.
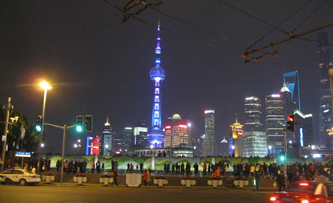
(157,90)
(157,99)
(157,107)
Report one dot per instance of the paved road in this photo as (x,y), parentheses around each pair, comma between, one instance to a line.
(87,194)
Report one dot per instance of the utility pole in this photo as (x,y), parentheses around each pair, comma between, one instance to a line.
(4,137)
(285,149)
(65,127)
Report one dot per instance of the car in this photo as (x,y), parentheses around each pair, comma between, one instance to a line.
(318,191)
(21,176)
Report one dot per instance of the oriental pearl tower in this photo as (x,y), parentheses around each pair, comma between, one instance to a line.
(156,135)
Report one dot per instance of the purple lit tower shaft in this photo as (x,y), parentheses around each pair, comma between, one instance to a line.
(157,74)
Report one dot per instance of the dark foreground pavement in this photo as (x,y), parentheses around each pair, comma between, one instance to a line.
(69,193)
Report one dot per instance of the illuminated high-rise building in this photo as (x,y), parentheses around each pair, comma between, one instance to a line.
(275,122)
(254,138)
(252,114)
(291,86)
(325,114)
(128,139)
(140,134)
(209,147)
(106,139)
(304,133)
(156,135)
(176,132)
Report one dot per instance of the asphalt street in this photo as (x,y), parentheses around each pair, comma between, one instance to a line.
(87,194)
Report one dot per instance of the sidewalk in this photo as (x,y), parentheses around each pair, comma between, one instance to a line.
(166,187)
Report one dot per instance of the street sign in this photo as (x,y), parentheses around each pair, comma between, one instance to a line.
(23,154)
(4,138)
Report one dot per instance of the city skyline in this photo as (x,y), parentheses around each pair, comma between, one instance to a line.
(98,66)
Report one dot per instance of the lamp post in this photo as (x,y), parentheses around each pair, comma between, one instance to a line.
(45,86)
(8,107)
(269,149)
(233,150)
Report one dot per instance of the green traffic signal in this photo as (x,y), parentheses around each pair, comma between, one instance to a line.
(39,123)
(79,123)
(282,157)
(79,128)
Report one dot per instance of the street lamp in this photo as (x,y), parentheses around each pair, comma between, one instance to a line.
(270,149)
(233,150)
(45,86)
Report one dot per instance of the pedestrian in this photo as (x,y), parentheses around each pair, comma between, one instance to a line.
(281,181)
(98,167)
(227,169)
(114,174)
(141,167)
(33,170)
(296,177)
(92,167)
(257,179)
(145,177)
(204,168)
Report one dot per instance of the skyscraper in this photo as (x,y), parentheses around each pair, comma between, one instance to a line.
(325,113)
(140,134)
(304,133)
(128,139)
(106,140)
(275,122)
(252,114)
(291,82)
(176,132)
(157,74)
(209,145)
(254,138)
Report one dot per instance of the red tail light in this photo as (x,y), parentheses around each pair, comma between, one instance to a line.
(272,199)
(33,176)
(305,201)
(304,184)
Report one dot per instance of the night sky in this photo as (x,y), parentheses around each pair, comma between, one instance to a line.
(99,66)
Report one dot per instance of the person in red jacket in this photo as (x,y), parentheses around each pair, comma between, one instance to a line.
(92,167)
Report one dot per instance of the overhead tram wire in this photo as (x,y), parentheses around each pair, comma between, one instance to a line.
(202,42)
(210,32)
(198,27)
(309,15)
(278,25)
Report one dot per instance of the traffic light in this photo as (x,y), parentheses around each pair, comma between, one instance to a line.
(282,157)
(79,123)
(88,123)
(291,123)
(39,124)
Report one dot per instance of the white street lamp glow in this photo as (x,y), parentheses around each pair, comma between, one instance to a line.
(189,124)
(270,147)
(75,145)
(42,145)
(45,85)
(79,140)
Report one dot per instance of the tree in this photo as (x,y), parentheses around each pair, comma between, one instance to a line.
(16,137)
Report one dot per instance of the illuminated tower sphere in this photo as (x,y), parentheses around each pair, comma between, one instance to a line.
(156,135)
